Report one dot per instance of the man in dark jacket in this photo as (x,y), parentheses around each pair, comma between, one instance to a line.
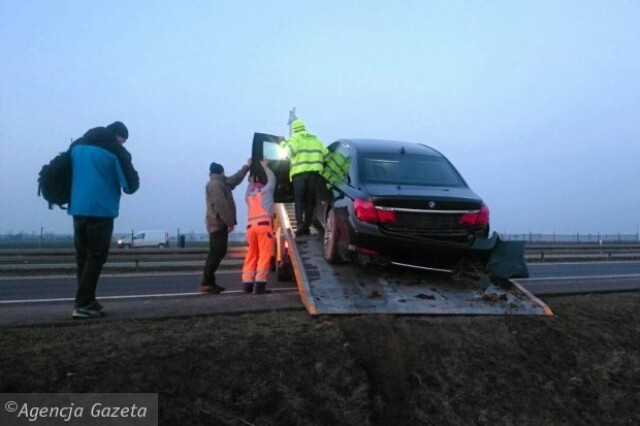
(220,220)
(101,169)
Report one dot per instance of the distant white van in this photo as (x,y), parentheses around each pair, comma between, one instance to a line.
(153,238)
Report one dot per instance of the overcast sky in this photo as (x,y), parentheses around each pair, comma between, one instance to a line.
(537,103)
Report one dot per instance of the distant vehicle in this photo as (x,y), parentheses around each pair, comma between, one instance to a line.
(386,201)
(153,238)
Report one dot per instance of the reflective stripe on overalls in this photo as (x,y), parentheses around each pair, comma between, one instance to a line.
(260,241)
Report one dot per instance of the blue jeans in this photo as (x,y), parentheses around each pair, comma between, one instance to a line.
(304,196)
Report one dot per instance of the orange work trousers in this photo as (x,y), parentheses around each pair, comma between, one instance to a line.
(258,261)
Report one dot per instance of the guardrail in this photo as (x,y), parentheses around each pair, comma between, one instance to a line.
(65,255)
(586,252)
(59,260)
(41,261)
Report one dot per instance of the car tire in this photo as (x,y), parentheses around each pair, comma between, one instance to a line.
(160,246)
(331,239)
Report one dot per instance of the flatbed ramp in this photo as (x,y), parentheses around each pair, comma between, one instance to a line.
(352,289)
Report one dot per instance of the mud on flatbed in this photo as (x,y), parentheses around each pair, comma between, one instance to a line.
(352,289)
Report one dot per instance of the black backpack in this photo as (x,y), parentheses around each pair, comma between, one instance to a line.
(54,182)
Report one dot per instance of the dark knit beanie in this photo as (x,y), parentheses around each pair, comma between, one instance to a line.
(118,129)
(216,168)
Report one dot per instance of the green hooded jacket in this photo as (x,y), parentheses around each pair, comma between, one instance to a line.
(306,152)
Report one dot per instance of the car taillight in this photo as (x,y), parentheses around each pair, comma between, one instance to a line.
(386,215)
(479,218)
(366,211)
(483,216)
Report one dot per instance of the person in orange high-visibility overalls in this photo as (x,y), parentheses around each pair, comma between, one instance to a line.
(260,240)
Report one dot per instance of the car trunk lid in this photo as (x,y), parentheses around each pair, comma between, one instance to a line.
(427,212)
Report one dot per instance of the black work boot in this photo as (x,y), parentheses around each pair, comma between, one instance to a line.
(247,287)
(261,288)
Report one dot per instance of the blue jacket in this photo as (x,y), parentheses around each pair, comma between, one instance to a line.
(101,169)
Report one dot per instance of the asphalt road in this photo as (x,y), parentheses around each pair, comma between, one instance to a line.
(49,299)
(583,269)
(555,279)
(62,288)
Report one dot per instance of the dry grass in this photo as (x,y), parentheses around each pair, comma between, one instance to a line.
(286,368)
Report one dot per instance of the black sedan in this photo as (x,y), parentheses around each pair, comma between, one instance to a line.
(386,201)
(395,201)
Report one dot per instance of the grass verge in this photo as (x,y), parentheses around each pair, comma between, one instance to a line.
(581,366)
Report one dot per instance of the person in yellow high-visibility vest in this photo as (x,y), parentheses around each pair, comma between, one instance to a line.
(307,154)
(336,168)
(260,237)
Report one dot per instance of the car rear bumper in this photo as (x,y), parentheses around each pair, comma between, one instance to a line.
(368,240)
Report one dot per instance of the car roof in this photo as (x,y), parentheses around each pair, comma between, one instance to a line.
(385,146)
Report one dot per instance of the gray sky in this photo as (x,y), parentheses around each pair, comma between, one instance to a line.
(537,103)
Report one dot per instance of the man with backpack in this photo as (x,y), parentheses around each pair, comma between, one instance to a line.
(101,170)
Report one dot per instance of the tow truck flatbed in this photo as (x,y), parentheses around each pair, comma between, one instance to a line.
(352,289)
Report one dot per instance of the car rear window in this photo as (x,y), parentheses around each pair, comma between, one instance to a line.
(410,170)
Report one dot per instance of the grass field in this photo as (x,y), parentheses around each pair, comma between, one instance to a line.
(580,367)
